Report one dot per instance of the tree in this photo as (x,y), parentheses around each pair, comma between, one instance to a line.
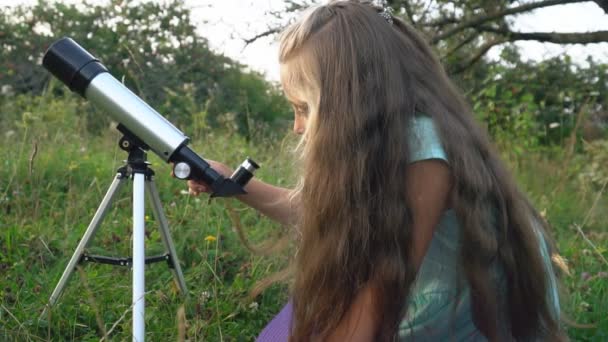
(151,46)
(467,30)
(538,103)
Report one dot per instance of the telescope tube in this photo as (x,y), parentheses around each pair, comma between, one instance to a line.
(85,75)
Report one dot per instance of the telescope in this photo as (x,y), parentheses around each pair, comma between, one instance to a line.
(85,75)
(143,129)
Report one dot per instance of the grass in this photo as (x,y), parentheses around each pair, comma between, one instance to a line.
(47,199)
(44,214)
(579,222)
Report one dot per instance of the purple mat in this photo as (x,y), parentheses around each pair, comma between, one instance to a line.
(278,329)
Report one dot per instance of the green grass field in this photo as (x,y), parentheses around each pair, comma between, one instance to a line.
(48,197)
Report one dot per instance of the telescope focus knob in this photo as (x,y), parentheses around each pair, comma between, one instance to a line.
(182,170)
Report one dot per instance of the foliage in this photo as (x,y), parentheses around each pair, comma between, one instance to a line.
(247,107)
(594,173)
(153,47)
(538,103)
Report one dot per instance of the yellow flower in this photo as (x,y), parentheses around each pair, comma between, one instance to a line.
(210,238)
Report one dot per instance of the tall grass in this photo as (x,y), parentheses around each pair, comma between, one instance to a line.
(54,175)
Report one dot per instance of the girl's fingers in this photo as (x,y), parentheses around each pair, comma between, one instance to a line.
(195,187)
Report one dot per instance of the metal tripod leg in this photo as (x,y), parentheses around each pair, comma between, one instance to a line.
(139,256)
(157,209)
(142,186)
(87,237)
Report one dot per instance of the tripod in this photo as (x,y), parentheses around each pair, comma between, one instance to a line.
(138,168)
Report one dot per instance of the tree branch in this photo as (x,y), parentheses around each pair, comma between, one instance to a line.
(464,42)
(478,54)
(408,10)
(551,37)
(296,5)
(440,22)
(263,34)
(493,16)
(291,6)
(547,37)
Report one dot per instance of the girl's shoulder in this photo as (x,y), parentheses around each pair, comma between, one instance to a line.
(424,140)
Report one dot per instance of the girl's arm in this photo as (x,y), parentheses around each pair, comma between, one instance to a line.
(429,185)
(360,322)
(270,200)
(428,188)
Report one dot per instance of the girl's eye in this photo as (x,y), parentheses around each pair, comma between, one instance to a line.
(301,109)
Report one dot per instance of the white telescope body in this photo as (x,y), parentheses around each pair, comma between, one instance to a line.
(84,74)
(141,119)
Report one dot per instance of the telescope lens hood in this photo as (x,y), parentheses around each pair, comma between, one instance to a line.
(72,64)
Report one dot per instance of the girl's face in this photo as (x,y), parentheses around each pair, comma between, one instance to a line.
(297,97)
(300,110)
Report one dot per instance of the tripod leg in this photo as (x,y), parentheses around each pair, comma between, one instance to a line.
(88,236)
(165,235)
(139,256)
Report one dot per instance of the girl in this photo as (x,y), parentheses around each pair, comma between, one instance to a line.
(410,226)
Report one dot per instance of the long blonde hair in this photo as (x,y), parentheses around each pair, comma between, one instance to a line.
(363,80)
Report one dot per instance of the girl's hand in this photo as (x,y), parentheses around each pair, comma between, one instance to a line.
(196,187)
(272,201)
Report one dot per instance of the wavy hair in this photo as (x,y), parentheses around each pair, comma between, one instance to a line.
(363,80)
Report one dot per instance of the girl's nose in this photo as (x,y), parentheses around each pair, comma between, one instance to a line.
(299,125)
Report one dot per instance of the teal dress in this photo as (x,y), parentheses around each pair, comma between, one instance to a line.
(439,305)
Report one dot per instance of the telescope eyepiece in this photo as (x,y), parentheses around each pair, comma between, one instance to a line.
(245,172)
(72,64)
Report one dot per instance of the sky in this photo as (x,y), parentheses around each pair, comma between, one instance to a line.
(227,22)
